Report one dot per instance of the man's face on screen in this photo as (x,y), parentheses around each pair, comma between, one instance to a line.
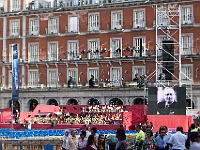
(169,95)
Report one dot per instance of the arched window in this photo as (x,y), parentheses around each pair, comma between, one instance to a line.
(16,106)
(33,104)
(72,101)
(139,101)
(93,101)
(115,101)
(52,102)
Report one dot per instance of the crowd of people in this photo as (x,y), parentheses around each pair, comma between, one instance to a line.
(88,140)
(94,114)
(145,139)
(164,140)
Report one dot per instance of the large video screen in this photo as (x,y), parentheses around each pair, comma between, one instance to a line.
(167,100)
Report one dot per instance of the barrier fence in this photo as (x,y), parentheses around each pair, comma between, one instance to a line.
(17,144)
(8,144)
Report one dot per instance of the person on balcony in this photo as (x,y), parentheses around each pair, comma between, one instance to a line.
(70,82)
(91,81)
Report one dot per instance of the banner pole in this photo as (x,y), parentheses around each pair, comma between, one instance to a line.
(12,118)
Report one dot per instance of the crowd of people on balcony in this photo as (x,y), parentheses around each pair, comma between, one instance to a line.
(140,80)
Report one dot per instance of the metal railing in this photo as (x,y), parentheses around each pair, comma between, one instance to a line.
(18,144)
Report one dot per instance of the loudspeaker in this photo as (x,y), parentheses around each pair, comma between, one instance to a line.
(168,58)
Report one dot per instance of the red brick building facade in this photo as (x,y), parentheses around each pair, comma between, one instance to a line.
(58,40)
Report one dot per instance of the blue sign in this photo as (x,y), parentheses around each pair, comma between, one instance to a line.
(15,73)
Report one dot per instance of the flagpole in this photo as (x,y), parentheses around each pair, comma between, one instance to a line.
(12,117)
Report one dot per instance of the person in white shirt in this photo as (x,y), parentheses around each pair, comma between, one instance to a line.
(73,140)
(29,124)
(177,140)
(66,136)
(82,141)
(87,128)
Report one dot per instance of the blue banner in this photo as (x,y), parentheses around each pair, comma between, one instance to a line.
(15,73)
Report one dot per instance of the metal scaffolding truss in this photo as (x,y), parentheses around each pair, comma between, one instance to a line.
(168,27)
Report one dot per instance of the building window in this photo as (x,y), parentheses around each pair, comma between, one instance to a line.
(163,16)
(15,5)
(116,46)
(116,76)
(187,73)
(93,49)
(53,25)
(73,24)
(139,45)
(93,22)
(14,28)
(52,77)
(33,49)
(116,20)
(187,44)
(95,73)
(187,14)
(46,4)
(138,70)
(73,73)
(10,52)
(160,40)
(72,3)
(91,2)
(33,26)
(10,79)
(33,78)
(52,51)
(72,50)
(139,18)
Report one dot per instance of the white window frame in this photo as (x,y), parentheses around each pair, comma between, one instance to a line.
(52,54)
(33,52)
(46,4)
(73,27)
(187,18)
(15,27)
(116,20)
(91,2)
(136,52)
(33,78)
(163,16)
(95,73)
(73,72)
(115,43)
(185,75)
(140,70)
(93,49)
(53,25)
(116,76)
(72,49)
(33,26)
(93,22)
(139,18)
(15,5)
(187,44)
(52,82)
(9,78)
